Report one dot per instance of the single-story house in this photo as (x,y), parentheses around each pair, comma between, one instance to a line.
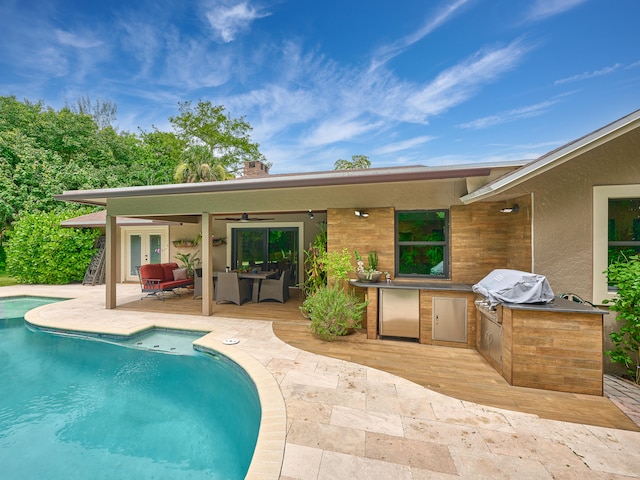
(561,215)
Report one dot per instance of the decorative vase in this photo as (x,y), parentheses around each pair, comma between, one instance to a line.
(369,277)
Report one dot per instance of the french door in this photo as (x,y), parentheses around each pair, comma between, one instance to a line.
(266,248)
(143,245)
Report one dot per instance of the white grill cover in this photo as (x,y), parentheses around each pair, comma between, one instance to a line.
(514,286)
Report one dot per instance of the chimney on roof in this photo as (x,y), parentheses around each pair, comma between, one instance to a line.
(255,169)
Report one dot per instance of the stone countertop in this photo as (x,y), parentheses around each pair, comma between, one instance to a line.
(414,285)
(559,305)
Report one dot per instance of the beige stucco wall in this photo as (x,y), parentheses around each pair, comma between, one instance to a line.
(563,211)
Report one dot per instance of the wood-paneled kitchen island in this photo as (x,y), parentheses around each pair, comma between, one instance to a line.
(555,346)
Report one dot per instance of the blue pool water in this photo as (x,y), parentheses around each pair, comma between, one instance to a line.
(74,408)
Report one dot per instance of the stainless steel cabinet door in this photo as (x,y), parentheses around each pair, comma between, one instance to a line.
(450,319)
(399,313)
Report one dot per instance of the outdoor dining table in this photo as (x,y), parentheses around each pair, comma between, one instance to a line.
(256,277)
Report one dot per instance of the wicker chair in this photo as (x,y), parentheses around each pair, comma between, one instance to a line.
(231,289)
(276,289)
(197,283)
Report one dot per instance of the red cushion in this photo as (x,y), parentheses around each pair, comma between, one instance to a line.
(176,284)
(152,270)
(167,269)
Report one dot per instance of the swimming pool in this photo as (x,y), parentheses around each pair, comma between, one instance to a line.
(75,408)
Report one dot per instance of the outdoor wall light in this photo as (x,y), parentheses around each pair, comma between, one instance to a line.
(310,214)
(513,209)
(361,214)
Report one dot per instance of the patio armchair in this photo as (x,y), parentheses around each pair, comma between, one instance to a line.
(230,288)
(275,289)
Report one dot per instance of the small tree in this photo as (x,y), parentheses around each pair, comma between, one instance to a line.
(356,162)
(226,139)
(626,277)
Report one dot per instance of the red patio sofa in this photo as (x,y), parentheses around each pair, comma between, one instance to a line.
(156,278)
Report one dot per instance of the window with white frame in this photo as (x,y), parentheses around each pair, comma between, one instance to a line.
(616,232)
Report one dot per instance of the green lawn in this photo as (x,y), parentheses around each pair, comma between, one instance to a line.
(6,280)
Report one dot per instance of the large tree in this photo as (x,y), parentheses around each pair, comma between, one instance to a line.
(357,161)
(226,140)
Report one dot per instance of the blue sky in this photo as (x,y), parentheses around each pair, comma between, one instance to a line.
(405,82)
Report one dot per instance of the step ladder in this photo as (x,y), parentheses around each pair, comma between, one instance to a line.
(95,271)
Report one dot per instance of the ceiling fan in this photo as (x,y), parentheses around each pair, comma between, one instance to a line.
(245,218)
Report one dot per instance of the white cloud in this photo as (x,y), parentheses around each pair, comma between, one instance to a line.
(542,9)
(77,41)
(387,52)
(509,116)
(403,145)
(587,75)
(332,131)
(459,83)
(228,20)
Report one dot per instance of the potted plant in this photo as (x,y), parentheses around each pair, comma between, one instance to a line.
(371,272)
(187,243)
(189,261)
(217,241)
(334,310)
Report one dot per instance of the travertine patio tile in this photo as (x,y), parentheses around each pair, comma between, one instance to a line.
(300,462)
(421,474)
(368,421)
(456,437)
(279,367)
(341,369)
(416,408)
(489,466)
(607,456)
(477,416)
(338,466)
(308,411)
(297,377)
(532,447)
(415,453)
(327,396)
(327,437)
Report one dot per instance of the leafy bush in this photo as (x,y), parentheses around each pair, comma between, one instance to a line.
(40,251)
(333,311)
(626,277)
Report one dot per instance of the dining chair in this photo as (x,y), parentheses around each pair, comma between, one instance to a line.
(197,283)
(275,289)
(230,288)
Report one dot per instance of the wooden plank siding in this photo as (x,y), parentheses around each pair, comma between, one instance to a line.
(561,352)
(484,239)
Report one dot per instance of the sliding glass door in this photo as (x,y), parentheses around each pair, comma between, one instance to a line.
(267,248)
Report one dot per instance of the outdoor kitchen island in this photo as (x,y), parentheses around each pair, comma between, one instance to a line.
(444,313)
(555,346)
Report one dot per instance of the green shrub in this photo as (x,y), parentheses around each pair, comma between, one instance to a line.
(40,251)
(626,277)
(316,275)
(333,311)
